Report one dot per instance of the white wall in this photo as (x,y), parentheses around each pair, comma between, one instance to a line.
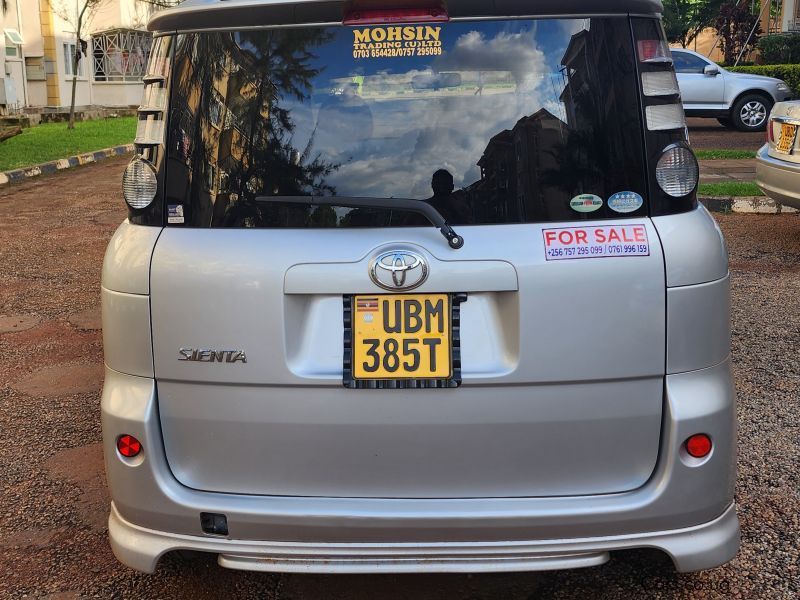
(789,14)
(115,93)
(64,23)
(12,69)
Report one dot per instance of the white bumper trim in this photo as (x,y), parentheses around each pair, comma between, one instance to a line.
(691,549)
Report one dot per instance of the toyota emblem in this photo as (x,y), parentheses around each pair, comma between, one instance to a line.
(398,270)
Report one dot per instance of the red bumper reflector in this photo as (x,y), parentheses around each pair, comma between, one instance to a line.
(396,15)
(128,446)
(698,445)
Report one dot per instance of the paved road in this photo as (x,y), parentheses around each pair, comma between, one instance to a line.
(715,171)
(707,134)
(53,506)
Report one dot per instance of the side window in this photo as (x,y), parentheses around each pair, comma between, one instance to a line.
(688,63)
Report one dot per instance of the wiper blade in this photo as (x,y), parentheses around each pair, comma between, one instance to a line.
(405,204)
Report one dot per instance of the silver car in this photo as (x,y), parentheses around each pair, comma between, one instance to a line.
(778,161)
(739,100)
(416,290)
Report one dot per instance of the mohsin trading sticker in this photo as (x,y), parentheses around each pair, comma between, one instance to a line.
(586,203)
(625,202)
(568,243)
(397,42)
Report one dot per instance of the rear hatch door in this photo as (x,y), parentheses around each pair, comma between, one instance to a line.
(525,135)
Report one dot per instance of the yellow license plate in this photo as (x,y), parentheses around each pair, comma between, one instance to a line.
(402,337)
(788,135)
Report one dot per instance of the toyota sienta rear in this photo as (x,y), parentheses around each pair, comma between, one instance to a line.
(416,287)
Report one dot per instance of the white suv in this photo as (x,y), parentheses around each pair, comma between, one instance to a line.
(739,100)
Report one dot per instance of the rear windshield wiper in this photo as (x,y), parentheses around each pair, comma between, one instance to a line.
(405,204)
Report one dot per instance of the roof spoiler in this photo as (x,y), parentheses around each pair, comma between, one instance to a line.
(234,14)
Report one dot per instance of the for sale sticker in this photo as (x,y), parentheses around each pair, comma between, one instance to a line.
(602,241)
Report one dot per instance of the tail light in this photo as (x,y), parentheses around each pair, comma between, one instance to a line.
(654,51)
(659,83)
(139,183)
(677,171)
(665,117)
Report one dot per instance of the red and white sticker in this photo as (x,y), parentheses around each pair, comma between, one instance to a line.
(601,241)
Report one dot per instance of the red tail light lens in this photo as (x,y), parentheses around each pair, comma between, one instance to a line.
(698,445)
(654,51)
(128,446)
(396,15)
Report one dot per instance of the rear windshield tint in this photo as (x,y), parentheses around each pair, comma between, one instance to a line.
(492,122)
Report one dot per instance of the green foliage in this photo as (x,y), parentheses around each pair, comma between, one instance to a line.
(729,189)
(734,23)
(51,141)
(780,49)
(724,154)
(789,73)
(685,19)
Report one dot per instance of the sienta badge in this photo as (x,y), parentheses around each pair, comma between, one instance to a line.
(586,203)
(625,202)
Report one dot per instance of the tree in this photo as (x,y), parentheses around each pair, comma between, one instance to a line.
(735,23)
(79,18)
(685,19)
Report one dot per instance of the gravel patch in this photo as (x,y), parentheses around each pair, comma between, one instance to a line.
(54,503)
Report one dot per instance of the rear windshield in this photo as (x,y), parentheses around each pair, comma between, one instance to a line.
(492,122)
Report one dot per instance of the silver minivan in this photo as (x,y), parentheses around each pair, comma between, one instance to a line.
(415,289)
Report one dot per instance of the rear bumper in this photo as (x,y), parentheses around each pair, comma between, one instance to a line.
(779,179)
(683,500)
(692,548)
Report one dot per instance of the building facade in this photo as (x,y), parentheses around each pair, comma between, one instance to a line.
(36,66)
(790,16)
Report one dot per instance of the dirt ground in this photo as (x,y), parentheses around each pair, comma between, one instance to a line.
(53,503)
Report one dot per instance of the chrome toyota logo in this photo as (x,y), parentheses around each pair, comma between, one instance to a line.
(398,270)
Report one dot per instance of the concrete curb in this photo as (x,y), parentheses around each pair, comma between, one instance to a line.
(745,204)
(55,166)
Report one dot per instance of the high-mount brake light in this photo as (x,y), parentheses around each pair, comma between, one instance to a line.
(389,16)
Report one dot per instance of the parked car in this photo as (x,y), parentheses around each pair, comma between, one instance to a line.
(739,100)
(778,161)
(415,290)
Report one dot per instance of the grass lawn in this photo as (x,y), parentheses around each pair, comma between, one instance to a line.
(729,189)
(51,141)
(724,154)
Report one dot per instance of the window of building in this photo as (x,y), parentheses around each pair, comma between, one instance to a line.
(69,60)
(34,68)
(120,54)
(13,42)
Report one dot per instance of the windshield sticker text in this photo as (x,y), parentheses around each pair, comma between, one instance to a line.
(605,241)
(392,42)
(625,202)
(586,203)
